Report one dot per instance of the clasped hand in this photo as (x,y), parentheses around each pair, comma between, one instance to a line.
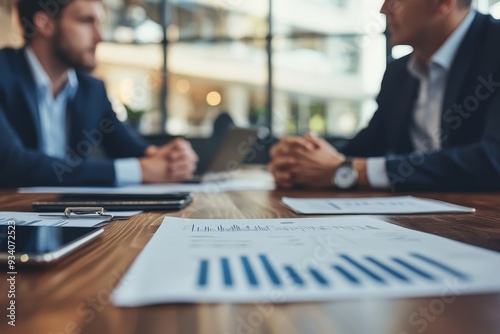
(172,162)
(304,161)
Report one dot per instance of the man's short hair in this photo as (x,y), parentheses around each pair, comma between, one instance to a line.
(27,9)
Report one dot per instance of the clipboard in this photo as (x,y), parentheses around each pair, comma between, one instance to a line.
(117,202)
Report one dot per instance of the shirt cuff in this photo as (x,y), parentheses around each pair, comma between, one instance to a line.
(128,171)
(377,173)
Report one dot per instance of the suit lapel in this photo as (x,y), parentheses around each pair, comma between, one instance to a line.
(74,121)
(76,117)
(29,93)
(459,71)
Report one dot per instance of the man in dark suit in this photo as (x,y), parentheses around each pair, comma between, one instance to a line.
(438,118)
(54,115)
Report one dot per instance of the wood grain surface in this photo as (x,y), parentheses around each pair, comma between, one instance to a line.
(72,296)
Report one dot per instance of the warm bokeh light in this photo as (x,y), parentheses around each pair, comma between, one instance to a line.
(347,122)
(214,98)
(183,86)
(126,90)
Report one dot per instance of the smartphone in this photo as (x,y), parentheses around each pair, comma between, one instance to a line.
(42,245)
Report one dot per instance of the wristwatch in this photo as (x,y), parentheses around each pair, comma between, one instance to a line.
(345,176)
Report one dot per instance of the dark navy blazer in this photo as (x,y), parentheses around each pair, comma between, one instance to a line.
(92,126)
(470,129)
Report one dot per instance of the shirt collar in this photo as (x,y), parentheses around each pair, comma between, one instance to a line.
(444,56)
(42,80)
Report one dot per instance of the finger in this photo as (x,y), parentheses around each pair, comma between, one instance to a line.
(151,150)
(181,166)
(288,145)
(182,145)
(307,156)
(181,173)
(282,163)
(183,149)
(175,156)
(283,177)
(173,145)
(271,167)
(165,149)
(278,149)
(280,177)
(284,185)
(298,143)
(314,139)
(182,156)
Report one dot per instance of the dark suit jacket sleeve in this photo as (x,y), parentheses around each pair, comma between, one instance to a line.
(20,166)
(475,166)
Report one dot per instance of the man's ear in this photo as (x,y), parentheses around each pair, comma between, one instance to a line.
(446,6)
(44,24)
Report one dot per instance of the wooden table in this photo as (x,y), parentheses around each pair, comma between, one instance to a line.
(73,296)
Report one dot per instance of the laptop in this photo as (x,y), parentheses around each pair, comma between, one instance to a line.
(229,156)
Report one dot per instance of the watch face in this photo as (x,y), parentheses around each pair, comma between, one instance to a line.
(345,177)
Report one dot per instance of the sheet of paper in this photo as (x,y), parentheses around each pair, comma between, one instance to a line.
(55,219)
(371,205)
(309,259)
(146,189)
(236,180)
(232,184)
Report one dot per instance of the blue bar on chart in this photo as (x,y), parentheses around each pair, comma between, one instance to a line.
(273,276)
(363,269)
(346,274)
(252,279)
(334,205)
(203,274)
(414,269)
(232,228)
(294,275)
(280,228)
(388,269)
(441,266)
(226,272)
(318,277)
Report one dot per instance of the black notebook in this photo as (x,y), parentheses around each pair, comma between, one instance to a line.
(117,202)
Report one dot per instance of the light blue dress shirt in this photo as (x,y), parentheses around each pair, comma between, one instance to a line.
(52,111)
(425,129)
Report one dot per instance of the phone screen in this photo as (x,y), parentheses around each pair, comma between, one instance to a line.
(38,241)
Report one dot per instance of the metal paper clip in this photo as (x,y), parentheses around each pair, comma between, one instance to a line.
(97,212)
(86,211)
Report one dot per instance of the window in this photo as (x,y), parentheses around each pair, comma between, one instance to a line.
(326,66)
(179,63)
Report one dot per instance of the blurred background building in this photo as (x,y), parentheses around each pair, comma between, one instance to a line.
(172,66)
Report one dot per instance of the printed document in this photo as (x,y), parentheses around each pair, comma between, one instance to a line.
(371,205)
(308,259)
(153,189)
(56,219)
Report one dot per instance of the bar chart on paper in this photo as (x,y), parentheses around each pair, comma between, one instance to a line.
(346,271)
(308,259)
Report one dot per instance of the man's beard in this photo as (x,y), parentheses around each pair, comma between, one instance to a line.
(69,58)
